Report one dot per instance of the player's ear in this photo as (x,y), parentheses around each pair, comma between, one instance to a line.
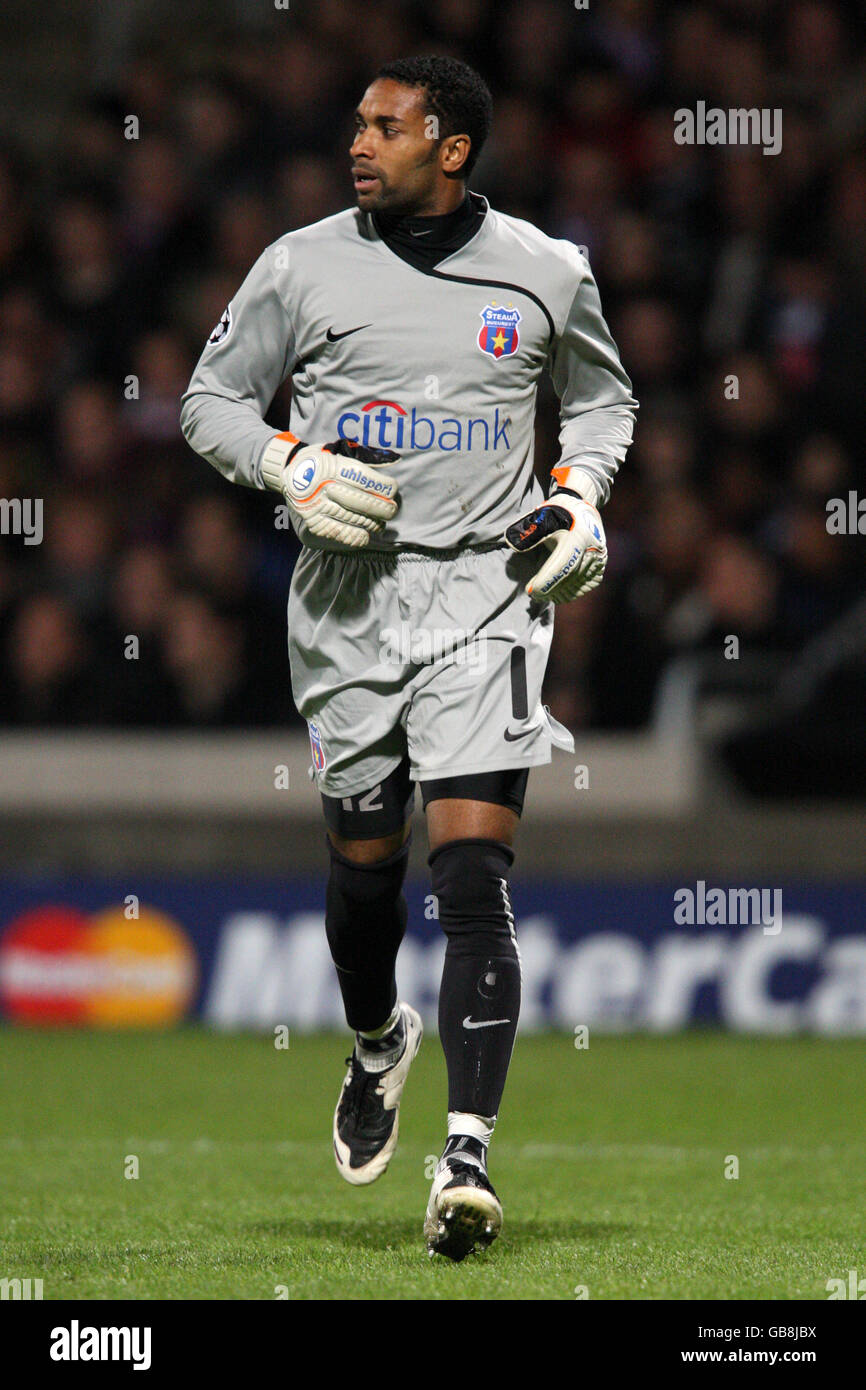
(455,152)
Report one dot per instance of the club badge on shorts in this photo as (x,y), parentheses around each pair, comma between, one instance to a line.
(498,336)
(317,748)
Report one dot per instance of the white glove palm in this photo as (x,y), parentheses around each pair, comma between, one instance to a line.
(572,531)
(337,490)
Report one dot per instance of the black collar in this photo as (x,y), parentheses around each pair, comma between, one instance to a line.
(425,241)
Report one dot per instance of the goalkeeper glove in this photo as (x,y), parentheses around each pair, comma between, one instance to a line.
(572,531)
(336,489)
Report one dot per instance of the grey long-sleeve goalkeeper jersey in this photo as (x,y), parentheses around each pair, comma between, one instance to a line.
(441,366)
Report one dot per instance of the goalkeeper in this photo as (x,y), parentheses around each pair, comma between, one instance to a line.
(415,328)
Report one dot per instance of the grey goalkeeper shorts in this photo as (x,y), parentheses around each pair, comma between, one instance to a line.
(436,658)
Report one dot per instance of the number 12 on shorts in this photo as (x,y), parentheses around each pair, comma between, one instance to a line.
(367,802)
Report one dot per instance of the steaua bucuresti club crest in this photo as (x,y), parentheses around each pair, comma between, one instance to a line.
(498,335)
(317,748)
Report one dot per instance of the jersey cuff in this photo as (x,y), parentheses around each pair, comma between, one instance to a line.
(578,480)
(273,458)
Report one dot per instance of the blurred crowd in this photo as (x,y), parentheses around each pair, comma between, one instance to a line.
(734,283)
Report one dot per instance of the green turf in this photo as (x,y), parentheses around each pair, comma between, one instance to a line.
(610,1162)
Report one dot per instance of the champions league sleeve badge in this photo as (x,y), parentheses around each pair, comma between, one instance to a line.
(223,328)
(317,748)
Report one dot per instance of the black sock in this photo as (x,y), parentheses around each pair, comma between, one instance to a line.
(479,999)
(377,1054)
(365,919)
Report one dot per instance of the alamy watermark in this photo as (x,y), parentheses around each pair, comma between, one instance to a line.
(77,1343)
(421,646)
(22,516)
(20,1290)
(737,126)
(846,516)
(855,1287)
(719,907)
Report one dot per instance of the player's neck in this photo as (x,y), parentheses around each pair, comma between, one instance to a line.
(449,201)
(457,203)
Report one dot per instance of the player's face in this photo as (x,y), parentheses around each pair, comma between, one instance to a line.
(395,160)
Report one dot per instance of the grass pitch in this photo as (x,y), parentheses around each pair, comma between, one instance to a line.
(610,1162)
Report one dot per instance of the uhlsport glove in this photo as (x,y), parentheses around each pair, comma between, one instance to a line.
(336,490)
(572,531)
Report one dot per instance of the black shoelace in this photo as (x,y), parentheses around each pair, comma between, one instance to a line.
(361,1096)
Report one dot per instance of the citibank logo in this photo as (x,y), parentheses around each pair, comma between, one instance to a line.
(388,425)
(62,966)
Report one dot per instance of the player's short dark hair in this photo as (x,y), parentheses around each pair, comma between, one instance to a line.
(455,93)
